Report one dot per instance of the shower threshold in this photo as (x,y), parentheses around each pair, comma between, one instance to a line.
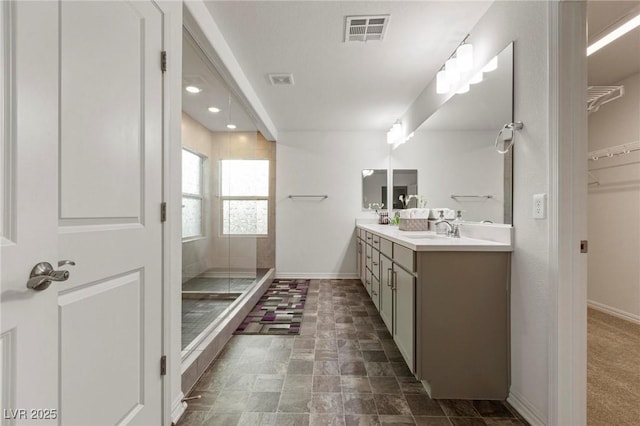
(209,295)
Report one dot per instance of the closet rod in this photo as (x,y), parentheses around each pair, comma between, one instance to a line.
(614,150)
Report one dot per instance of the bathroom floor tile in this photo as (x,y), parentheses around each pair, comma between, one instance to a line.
(344,369)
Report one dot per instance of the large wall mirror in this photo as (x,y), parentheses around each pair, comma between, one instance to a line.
(453,150)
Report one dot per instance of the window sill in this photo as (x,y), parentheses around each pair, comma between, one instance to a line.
(193,239)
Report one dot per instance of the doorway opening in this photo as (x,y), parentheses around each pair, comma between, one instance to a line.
(613,319)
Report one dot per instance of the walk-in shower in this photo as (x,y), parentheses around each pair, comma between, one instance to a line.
(227,185)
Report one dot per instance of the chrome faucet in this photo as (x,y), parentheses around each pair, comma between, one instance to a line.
(439,221)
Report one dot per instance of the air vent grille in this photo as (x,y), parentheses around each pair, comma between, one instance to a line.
(365,28)
(281,79)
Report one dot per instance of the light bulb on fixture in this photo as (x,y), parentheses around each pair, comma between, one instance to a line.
(214,109)
(451,68)
(442,84)
(477,78)
(463,89)
(231,126)
(395,134)
(492,65)
(193,89)
(464,56)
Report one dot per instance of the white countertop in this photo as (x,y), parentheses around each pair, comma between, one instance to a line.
(430,241)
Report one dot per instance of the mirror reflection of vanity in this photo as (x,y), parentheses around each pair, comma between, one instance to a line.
(453,150)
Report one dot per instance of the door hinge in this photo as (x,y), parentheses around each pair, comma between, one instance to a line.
(163,61)
(163,212)
(584,246)
(163,365)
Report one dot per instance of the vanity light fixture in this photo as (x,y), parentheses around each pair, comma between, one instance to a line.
(477,78)
(231,126)
(463,89)
(464,56)
(631,24)
(442,84)
(394,135)
(452,71)
(492,65)
(193,89)
(214,110)
(460,61)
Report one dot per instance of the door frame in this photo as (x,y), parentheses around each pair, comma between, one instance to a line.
(567,212)
(172,405)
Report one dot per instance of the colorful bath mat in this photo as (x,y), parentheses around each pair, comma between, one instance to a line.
(279,310)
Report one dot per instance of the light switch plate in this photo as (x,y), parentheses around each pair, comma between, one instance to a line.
(539,206)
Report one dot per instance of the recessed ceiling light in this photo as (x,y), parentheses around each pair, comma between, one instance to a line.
(214,109)
(193,89)
(231,126)
(613,35)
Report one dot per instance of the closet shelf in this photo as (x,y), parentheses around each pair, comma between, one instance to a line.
(614,151)
(600,95)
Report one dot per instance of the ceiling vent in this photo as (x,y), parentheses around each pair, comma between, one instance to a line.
(281,79)
(365,28)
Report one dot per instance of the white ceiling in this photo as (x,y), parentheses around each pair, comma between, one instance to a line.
(621,58)
(342,86)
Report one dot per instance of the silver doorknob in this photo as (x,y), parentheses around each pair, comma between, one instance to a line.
(43,274)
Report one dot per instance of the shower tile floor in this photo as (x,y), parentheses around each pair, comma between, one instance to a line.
(198,313)
(343,369)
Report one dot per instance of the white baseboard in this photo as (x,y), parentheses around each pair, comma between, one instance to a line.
(318,275)
(526,409)
(619,313)
(177,409)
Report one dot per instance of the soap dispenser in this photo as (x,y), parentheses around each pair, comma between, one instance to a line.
(456,224)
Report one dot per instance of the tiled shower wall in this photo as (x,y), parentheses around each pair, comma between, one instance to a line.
(216,251)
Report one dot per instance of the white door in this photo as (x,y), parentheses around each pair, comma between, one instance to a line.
(82,182)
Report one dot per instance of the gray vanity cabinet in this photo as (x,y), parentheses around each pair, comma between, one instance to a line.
(404,286)
(386,291)
(463,324)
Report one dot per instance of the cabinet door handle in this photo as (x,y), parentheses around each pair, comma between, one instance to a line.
(389,277)
(368,257)
(394,286)
(374,292)
(375,263)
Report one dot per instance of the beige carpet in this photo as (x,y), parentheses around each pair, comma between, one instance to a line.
(613,371)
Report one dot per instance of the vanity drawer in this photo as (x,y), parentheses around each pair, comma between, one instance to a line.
(367,252)
(375,240)
(404,257)
(386,247)
(369,237)
(375,263)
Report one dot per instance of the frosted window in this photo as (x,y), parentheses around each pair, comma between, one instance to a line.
(191,217)
(192,194)
(191,173)
(245,217)
(242,178)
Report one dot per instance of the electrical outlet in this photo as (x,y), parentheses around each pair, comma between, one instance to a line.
(539,206)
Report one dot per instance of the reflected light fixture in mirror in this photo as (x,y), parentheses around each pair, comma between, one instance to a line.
(214,110)
(454,152)
(193,89)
